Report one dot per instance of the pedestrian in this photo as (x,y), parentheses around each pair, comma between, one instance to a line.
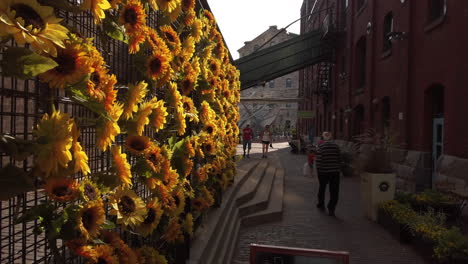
(265,136)
(328,163)
(247,136)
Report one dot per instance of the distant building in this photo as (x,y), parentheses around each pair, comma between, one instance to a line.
(267,104)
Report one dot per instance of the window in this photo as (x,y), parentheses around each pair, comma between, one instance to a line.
(271,84)
(437,9)
(288,105)
(288,83)
(361,62)
(387,28)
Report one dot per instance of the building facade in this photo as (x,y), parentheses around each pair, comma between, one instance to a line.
(274,102)
(399,66)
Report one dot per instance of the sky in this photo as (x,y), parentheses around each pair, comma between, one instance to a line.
(243,20)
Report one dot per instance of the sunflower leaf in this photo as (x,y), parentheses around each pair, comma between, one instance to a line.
(35,213)
(113,30)
(108,224)
(24,63)
(14,181)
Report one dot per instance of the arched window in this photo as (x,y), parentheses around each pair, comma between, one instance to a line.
(387,28)
(437,9)
(288,83)
(361,62)
(271,84)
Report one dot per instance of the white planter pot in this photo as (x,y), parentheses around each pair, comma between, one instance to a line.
(375,189)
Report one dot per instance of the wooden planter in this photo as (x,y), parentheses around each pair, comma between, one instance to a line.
(424,247)
(399,231)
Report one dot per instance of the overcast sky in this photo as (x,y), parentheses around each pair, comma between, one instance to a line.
(243,20)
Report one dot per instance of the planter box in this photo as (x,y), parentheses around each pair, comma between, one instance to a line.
(399,231)
(376,188)
(424,247)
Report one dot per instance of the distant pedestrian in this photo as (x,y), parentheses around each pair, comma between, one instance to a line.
(328,164)
(265,136)
(247,136)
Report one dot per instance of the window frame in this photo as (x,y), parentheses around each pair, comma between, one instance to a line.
(288,83)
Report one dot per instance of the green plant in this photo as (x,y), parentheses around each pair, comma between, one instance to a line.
(451,244)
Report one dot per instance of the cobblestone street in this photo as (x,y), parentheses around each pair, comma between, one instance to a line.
(305,226)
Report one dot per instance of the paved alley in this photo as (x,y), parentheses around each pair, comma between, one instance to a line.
(305,226)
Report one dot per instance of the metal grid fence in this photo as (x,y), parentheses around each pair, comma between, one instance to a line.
(22,104)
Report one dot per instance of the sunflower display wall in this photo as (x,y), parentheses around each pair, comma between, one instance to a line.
(134,129)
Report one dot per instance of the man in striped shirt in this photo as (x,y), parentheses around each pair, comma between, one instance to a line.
(328,169)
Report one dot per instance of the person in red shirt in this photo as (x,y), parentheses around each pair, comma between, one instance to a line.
(247,136)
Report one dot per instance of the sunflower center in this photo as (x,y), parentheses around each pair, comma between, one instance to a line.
(61,191)
(101,261)
(88,219)
(90,192)
(131,16)
(209,129)
(213,67)
(155,65)
(153,158)
(66,63)
(208,147)
(127,205)
(95,78)
(186,107)
(197,203)
(169,36)
(30,16)
(138,145)
(176,200)
(150,217)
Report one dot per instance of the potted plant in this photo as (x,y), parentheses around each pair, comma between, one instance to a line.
(395,217)
(378,180)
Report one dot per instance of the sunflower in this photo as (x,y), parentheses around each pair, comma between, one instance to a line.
(196,29)
(189,17)
(110,92)
(150,255)
(173,97)
(179,201)
(174,14)
(122,166)
(80,248)
(168,5)
(189,147)
(79,156)
(210,128)
(32,23)
(188,48)
(61,189)
(173,232)
(188,224)
(54,134)
(190,109)
(107,132)
(207,114)
(104,255)
(188,166)
(187,86)
(135,95)
(124,253)
(90,218)
(141,119)
(158,116)
(157,66)
(136,39)
(138,145)
(188,5)
(171,38)
(73,64)
(128,206)
(215,66)
(97,7)
(180,123)
(202,173)
(89,191)
(171,177)
(154,158)
(133,17)
(156,42)
(97,80)
(209,147)
(152,218)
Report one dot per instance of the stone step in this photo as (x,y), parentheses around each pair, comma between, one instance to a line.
(260,201)
(214,219)
(226,235)
(274,211)
(249,188)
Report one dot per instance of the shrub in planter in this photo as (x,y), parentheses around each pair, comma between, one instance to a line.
(431,199)
(395,217)
(451,247)
(399,231)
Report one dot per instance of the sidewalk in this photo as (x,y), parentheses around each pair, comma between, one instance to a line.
(305,226)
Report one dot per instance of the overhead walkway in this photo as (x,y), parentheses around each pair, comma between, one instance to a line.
(285,57)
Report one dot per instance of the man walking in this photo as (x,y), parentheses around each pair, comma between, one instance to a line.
(328,170)
(247,136)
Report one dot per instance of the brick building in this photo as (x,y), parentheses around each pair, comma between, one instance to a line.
(399,65)
(270,103)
